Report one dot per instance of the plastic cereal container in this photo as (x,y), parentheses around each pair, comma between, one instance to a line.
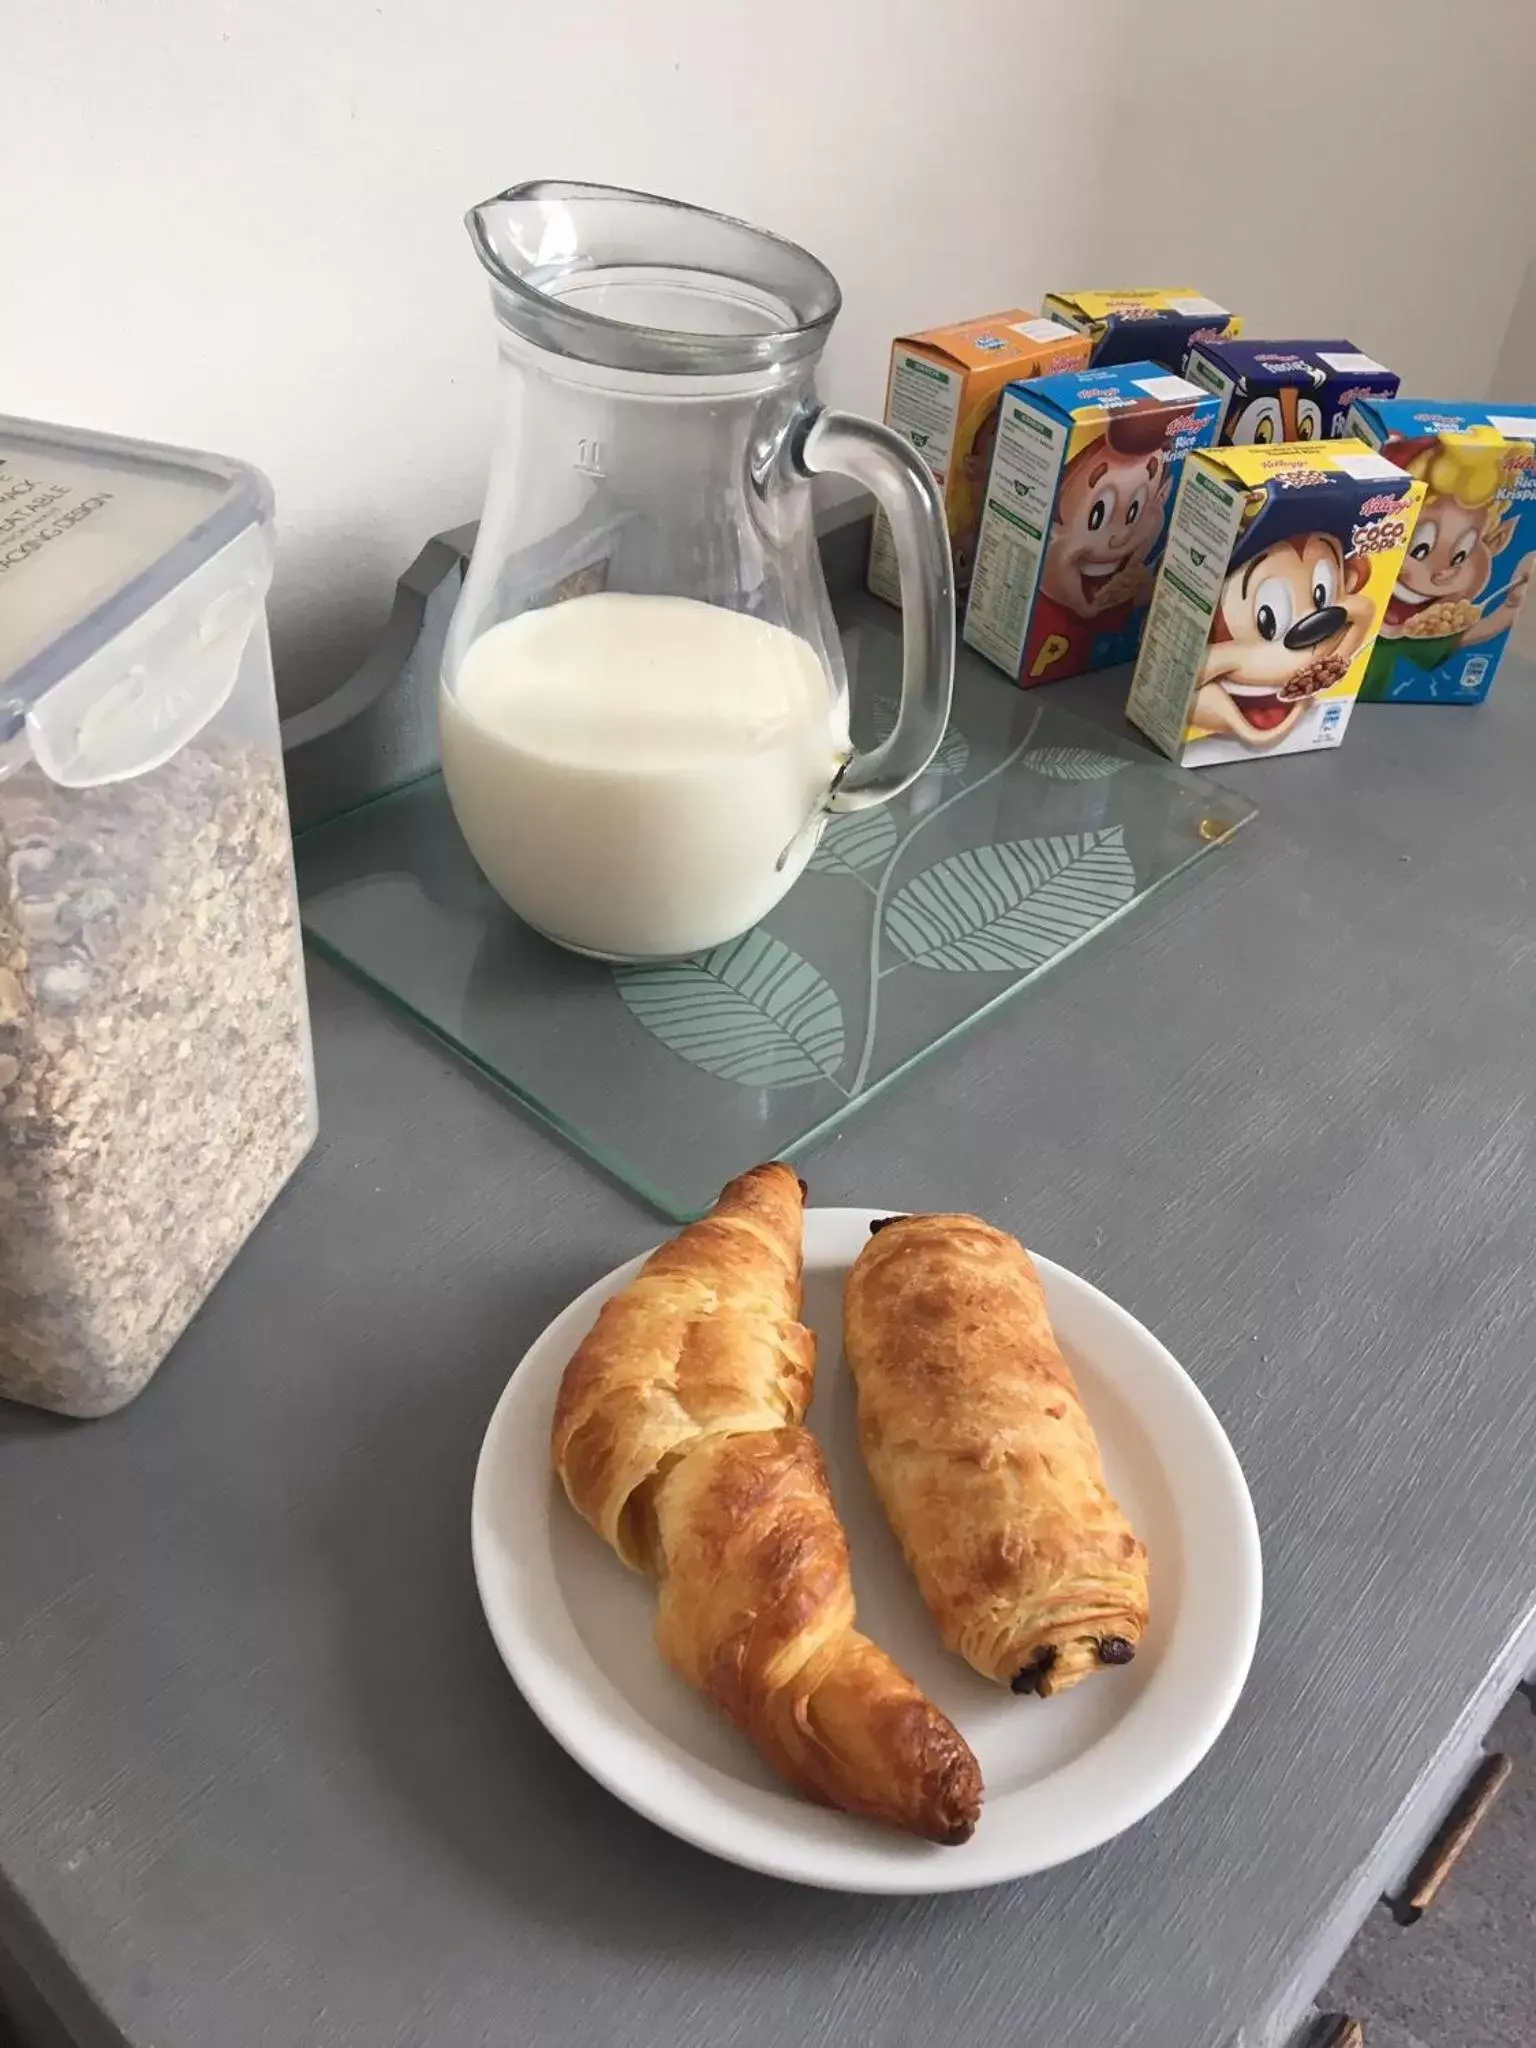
(156,1074)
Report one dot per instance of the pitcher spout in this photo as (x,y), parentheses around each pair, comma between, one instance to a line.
(636,282)
(528,230)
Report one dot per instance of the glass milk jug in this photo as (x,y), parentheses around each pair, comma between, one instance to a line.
(644,707)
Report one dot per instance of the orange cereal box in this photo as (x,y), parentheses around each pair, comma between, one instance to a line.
(942,395)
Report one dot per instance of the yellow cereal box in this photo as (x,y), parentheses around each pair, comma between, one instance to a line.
(942,395)
(1134,327)
(1279,564)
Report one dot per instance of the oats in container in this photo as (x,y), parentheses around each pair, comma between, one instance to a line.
(156,1081)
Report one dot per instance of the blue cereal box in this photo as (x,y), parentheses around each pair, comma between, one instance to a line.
(1083,473)
(1286,390)
(1470,561)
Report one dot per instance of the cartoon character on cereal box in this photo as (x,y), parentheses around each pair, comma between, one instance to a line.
(1108,517)
(1285,414)
(1433,610)
(1292,616)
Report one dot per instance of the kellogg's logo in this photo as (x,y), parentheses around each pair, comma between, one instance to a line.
(1389,501)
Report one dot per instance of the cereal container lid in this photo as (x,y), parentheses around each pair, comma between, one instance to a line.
(130,577)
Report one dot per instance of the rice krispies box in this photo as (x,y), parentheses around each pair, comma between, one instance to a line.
(1286,390)
(942,396)
(1141,327)
(1084,471)
(1279,565)
(1470,562)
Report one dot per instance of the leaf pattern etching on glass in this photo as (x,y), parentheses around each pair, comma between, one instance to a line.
(855,840)
(1074,764)
(994,909)
(752,1011)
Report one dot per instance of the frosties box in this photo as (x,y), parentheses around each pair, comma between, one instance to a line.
(942,396)
(1136,327)
(1286,390)
(1279,565)
(1084,472)
(1470,562)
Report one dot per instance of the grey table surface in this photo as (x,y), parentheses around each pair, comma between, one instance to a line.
(263,1779)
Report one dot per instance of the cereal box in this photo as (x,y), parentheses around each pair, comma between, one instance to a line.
(1469,564)
(1279,564)
(942,396)
(1138,327)
(1084,472)
(1286,390)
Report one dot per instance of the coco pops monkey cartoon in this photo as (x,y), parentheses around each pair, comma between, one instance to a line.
(1291,617)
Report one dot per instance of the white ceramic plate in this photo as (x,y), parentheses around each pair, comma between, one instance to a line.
(1062,1775)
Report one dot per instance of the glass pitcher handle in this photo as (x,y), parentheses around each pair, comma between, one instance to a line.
(843,444)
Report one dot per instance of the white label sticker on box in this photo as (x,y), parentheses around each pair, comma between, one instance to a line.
(1512,426)
(1044,330)
(1168,388)
(1353,364)
(1199,305)
(1367,466)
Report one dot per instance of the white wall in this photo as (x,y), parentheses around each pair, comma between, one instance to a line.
(235,223)
(1514,380)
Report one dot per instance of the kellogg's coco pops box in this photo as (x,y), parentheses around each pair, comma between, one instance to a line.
(942,396)
(1137,327)
(1470,561)
(1286,390)
(1082,477)
(1279,565)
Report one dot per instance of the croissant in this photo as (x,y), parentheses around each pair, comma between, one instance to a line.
(983,1457)
(678,1436)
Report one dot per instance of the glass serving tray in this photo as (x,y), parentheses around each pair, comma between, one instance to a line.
(1031,832)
